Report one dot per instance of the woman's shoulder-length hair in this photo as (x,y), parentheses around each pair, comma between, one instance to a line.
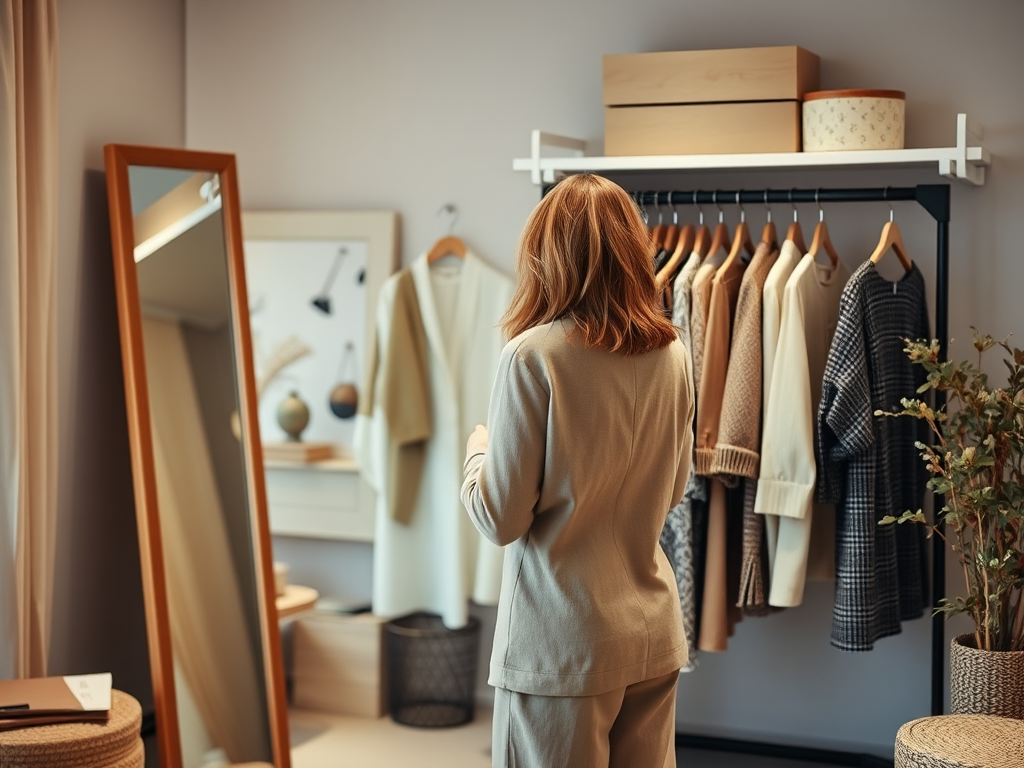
(585,254)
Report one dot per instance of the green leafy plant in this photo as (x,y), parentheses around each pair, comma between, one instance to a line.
(977,463)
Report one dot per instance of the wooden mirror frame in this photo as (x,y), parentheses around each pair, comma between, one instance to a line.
(118,158)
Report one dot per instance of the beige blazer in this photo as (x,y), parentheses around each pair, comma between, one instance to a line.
(588,451)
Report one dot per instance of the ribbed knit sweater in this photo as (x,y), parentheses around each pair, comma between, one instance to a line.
(738,447)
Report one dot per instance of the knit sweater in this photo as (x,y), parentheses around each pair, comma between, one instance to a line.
(868,464)
(739,434)
(739,441)
(725,290)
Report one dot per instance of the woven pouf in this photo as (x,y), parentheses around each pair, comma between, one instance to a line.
(961,741)
(115,743)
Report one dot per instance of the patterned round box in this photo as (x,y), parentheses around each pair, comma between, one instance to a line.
(112,744)
(855,119)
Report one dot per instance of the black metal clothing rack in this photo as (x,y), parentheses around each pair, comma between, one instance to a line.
(935,199)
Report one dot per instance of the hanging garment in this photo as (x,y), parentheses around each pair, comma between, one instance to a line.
(771,314)
(737,451)
(436,560)
(785,489)
(700,301)
(403,396)
(719,612)
(700,305)
(588,451)
(869,465)
(677,535)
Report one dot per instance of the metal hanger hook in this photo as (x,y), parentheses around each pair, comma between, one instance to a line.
(767,207)
(675,212)
(743,212)
(885,196)
(817,202)
(700,211)
(721,213)
(452,211)
(657,207)
(795,219)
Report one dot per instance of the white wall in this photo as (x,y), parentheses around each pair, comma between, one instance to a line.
(121,80)
(410,105)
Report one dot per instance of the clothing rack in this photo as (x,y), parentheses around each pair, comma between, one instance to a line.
(935,199)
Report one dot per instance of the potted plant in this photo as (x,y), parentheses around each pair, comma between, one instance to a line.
(977,464)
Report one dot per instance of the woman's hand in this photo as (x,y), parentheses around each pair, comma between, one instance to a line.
(477,442)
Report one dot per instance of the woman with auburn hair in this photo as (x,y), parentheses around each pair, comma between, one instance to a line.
(589,446)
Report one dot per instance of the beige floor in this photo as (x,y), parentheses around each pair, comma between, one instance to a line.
(333,741)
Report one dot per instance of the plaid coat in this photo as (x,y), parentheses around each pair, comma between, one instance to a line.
(868,465)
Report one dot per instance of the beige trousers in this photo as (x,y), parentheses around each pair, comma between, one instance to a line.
(632,727)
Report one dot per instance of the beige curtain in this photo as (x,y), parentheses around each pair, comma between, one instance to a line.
(208,627)
(28,343)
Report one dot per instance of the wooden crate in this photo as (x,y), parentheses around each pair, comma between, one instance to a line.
(703,129)
(782,73)
(339,664)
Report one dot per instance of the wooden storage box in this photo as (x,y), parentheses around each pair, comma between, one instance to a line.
(339,664)
(703,129)
(782,73)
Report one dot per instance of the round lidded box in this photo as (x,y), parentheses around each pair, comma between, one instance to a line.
(853,119)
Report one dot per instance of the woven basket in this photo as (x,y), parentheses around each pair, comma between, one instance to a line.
(111,744)
(960,741)
(985,682)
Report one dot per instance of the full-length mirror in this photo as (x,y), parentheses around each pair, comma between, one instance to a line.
(213,639)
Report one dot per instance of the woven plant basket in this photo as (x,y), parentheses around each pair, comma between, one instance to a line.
(985,682)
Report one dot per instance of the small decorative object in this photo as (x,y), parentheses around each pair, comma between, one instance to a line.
(344,399)
(978,465)
(293,416)
(280,577)
(322,300)
(853,119)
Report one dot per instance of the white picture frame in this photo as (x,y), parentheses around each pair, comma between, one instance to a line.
(288,254)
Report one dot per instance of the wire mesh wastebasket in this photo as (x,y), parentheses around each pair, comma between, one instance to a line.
(431,671)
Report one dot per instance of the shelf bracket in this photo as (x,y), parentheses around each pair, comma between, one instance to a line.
(968,164)
(539,140)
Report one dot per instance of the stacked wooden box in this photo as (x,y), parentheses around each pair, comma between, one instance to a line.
(707,102)
(340,664)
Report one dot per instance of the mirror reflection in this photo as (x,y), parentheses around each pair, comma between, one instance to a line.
(212,590)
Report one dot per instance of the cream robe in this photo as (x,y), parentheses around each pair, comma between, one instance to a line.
(438,560)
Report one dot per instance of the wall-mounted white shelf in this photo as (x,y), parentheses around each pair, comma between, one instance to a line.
(966,161)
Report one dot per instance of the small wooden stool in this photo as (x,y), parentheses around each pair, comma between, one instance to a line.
(113,744)
(961,741)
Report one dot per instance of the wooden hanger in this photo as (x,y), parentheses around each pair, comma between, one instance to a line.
(673,230)
(795,234)
(702,238)
(449,245)
(740,239)
(721,236)
(769,235)
(822,239)
(892,239)
(684,246)
(658,233)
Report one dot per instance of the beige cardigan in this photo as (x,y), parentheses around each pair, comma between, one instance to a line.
(588,451)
